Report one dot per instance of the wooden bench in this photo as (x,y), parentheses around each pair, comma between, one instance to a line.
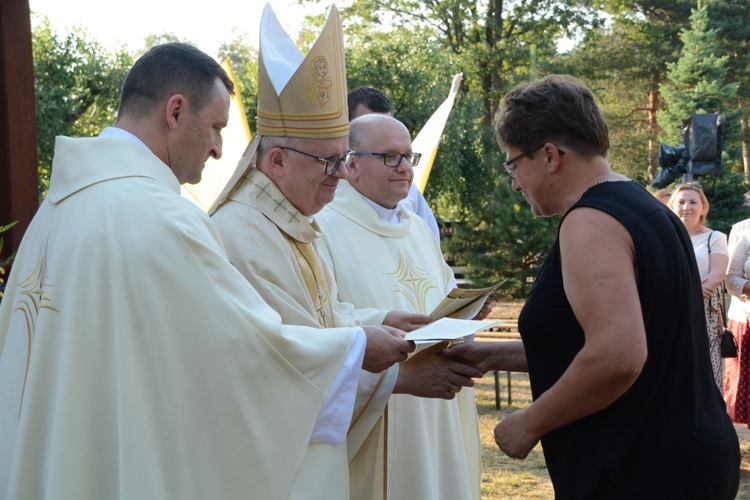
(508,330)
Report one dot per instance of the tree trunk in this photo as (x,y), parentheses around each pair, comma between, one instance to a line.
(653,132)
(746,147)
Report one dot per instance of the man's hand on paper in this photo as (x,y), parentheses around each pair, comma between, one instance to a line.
(427,374)
(485,310)
(406,321)
(385,347)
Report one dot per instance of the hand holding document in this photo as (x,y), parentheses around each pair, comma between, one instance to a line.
(464,303)
(453,316)
(448,329)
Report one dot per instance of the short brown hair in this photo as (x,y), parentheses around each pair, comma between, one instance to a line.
(166,70)
(556,108)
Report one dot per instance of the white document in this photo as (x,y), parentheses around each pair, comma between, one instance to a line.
(449,329)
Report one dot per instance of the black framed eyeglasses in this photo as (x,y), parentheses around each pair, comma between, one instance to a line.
(510,165)
(393,160)
(332,164)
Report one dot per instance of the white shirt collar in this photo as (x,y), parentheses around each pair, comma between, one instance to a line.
(389,215)
(121,134)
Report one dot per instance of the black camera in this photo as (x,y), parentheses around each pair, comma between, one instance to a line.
(703,136)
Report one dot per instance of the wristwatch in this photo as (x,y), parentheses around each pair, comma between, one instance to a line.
(744,297)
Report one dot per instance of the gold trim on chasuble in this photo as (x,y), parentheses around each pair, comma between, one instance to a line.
(413,282)
(272,203)
(308,265)
(31,301)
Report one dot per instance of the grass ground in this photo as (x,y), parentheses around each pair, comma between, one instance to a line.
(506,478)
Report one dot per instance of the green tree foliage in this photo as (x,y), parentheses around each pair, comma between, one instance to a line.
(726,197)
(244,60)
(502,239)
(416,74)
(412,48)
(495,235)
(153,40)
(625,62)
(77,85)
(696,80)
(732,21)
(493,38)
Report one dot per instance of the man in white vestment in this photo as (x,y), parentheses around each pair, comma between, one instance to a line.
(430,447)
(135,361)
(266,221)
(366,100)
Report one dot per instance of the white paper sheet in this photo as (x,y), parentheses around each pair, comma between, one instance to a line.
(449,329)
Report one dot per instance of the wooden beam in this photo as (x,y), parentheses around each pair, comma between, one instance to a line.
(19,188)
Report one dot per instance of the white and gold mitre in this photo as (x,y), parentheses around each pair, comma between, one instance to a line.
(302,96)
(297,96)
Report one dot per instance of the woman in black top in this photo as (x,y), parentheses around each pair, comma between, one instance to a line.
(613,329)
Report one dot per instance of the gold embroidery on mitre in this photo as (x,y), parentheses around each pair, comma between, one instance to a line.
(312,103)
(413,282)
(319,84)
(30,302)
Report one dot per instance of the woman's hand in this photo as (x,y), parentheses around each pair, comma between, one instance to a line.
(513,436)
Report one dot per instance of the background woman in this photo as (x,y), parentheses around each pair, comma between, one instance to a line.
(613,329)
(663,195)
(690,204)
(737,379)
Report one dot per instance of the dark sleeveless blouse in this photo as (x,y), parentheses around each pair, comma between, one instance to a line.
(669,435)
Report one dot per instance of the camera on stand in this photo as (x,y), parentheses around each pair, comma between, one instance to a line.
(703,136)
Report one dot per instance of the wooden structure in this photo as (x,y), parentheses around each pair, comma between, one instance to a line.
(19,188)
(508,330)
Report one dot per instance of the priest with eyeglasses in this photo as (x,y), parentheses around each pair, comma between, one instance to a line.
(265,217)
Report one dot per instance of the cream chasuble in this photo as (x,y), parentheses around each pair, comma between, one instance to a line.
(135,361)
(275,249)
(433,448)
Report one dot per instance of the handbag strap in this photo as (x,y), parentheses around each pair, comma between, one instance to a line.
(722,291)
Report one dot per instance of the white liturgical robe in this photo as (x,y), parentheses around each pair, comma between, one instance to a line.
(135,361)
(433,447)
(265,237)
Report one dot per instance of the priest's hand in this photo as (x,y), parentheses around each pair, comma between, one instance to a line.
(406,321)
(429,375)
(385,347)
(484,311)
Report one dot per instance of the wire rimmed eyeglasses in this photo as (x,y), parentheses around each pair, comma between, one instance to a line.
(332,164)
(510,165)
(393,160)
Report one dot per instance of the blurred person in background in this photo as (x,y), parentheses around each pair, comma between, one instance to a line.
(737,377)
(663,195)
(710,247)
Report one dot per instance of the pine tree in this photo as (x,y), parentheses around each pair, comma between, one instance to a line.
(696,81)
